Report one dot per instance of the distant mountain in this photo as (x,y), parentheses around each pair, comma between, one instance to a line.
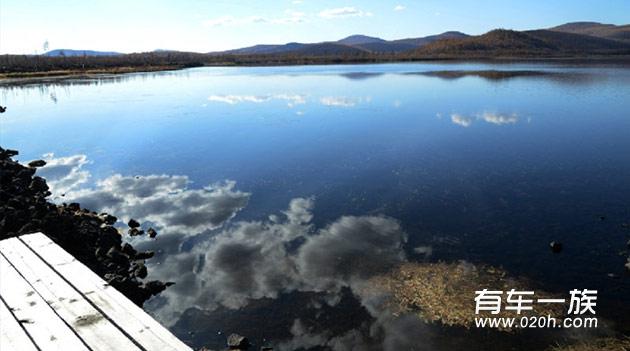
(352,44)
(70,52)
(360,39)
(385,47)
(373,44)
(326,48)
(595,29)
(505,43)
(417,42)
(329,49)
(401,45)
(266,49)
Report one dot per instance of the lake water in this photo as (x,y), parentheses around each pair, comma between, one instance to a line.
(280,193)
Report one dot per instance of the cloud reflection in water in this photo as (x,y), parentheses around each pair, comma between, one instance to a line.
(489,117)
(236,263)
(291,99)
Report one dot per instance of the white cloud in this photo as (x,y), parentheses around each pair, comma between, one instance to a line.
(489,117)
(291,99)
(339,101)
(64,174)
(257,259)
(163,200)
(290,16)
(461,120)
(297,2)
(399,7)
(235,99)
(343,12)
(500,119)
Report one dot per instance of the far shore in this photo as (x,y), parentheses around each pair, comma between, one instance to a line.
(30,77)
(44,76)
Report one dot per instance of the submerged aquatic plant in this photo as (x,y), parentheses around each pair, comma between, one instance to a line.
(445,292)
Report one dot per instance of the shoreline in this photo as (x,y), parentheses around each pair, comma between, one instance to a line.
(88,236)
(10,78)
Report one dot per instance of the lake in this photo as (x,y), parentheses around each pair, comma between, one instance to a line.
(283,195)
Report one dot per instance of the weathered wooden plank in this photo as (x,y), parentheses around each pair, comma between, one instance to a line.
(47,330)
(94,328)
(12,336)
(131,318)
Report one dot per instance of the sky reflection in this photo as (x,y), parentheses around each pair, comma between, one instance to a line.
(277,204)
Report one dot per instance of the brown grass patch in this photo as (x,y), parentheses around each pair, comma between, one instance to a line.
(603,344)
(445,292)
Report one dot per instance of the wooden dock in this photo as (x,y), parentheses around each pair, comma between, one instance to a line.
(51,301)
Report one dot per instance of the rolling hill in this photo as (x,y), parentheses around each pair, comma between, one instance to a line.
(417,42)
(266,49)
(352,44)
(373,44)
(509,43)
(577,38)
(324,49)
(595,29)
(358,39)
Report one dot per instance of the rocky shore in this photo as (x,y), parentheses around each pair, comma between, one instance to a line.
(88,236)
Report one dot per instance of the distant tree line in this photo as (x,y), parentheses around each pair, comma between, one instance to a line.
(38,63)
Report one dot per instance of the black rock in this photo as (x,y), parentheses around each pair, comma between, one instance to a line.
(37,163)
(237,342)
(140,271)
(30,227)
(152,233)
(74,206)
(38,184)
(555,246)
(26,173)
(144,255)
(135,232)
(117,256)
(133,223)
(129,250)
(108,219)
(6,154)
(156,286)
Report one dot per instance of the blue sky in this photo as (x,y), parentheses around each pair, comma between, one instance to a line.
(195,25)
